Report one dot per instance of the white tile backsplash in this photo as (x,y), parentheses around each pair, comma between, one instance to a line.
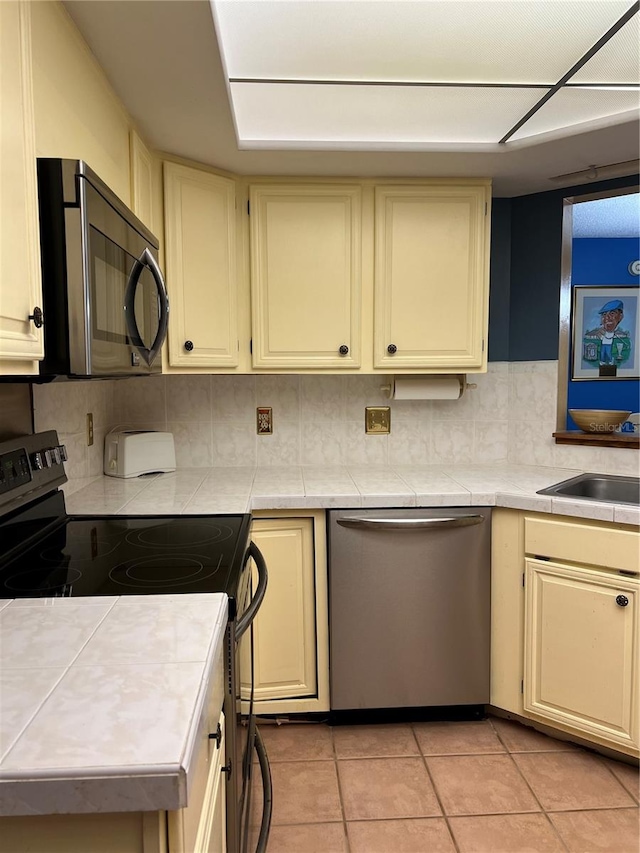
(319,421)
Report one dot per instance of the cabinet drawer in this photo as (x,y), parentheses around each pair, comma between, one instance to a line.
(580,542)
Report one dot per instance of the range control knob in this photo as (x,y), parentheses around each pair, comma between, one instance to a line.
(62,450)
(37,461)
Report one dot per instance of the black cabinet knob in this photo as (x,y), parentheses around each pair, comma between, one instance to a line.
(392,349)
(188,345)
(217,736)
(344,350)
(622,600)
(37,317)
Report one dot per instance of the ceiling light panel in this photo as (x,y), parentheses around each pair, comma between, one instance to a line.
(575,106)
(392,116)
(534,41)
(618,61)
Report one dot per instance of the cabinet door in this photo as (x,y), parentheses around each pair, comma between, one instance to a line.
(200,252)
(21,343)
(305,276)
(201,827)
(431,277)
(581,650)
(141,180)
(290,630)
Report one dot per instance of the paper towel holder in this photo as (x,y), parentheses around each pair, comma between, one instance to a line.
(387,390)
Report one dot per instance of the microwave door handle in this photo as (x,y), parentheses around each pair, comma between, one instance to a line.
(247,617)
(147,260)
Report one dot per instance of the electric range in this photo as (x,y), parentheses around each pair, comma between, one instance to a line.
(46,553)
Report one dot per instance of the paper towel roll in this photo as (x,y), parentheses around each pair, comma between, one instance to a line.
(426,387)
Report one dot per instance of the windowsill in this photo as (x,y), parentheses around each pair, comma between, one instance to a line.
(608,439)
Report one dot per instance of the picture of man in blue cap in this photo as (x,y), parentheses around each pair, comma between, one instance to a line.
(608,344)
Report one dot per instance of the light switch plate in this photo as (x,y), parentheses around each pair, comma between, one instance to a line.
(377,420)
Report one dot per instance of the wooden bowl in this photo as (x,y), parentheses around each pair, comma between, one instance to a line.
(598,420)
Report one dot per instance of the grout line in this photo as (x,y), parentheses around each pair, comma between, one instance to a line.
(555,830)
(518,770)
(344,816)
(435,791)
(602,758)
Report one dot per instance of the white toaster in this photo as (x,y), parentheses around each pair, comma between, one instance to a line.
(130,453)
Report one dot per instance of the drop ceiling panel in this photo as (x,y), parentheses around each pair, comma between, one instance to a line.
(618,61)
(535,41)
(570,107)
(390,115)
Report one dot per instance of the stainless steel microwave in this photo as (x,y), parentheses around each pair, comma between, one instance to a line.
(104,298)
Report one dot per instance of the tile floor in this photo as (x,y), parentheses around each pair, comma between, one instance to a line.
(479,787)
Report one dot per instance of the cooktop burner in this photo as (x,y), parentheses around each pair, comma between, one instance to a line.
(136,555)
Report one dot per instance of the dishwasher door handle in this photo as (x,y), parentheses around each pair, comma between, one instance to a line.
(432,523)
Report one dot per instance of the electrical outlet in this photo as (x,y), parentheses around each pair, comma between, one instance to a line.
(377,420)
(264,420)
(89,429)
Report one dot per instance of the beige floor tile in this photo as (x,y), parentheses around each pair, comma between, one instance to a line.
(419,835)
(513,833)
(297,741)
(305,792)
(604,831)
(378,788)
(571,780)
(480,784)
(308,838)
(520,738)
(374,741)
(457,738)
(626,775)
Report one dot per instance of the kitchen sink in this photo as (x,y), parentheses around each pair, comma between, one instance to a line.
(598,487)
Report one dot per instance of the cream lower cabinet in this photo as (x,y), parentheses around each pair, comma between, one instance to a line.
(200,259)
(565,634)
(581,650)
(306,275)
(432,276)
(291,671)
(21,343)
(198,828)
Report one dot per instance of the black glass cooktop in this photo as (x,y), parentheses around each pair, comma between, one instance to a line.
(122,555)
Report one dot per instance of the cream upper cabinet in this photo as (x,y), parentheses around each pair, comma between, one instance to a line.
(200,259)
(305,275)
(291,671)
(141,180)
(581,650)
(21,343)
(432,276)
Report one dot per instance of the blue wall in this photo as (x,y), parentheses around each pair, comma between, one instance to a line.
(526,247)
(600,262)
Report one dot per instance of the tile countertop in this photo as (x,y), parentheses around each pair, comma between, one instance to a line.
(103,699)
(232,490)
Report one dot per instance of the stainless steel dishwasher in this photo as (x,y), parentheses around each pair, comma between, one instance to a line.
(409,607)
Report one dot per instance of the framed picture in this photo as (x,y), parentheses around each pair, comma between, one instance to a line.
(605,332)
